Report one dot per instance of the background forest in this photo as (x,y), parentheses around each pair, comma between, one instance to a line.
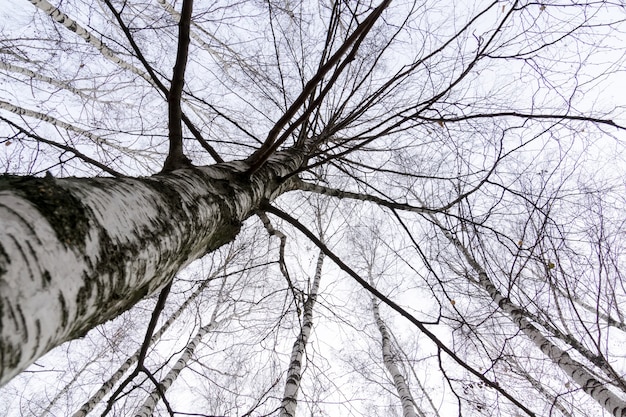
(433,220)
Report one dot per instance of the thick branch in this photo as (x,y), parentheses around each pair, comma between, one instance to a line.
(334,192)
(158,83)
(519,115)
(270,144)
(176,157)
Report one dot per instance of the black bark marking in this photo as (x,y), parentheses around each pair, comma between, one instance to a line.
(11,313)
(170,195)
(105,293)
(64,212)
(10,356)
(226,233)
(46,278)
(223,194)
(64,311)
(23,221)
(21,321)
(38,337)
(17,244)
(4,260)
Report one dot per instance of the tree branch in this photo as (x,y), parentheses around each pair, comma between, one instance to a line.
(271,144)
(159,84)
(176,157)
(420,325)
(76,152)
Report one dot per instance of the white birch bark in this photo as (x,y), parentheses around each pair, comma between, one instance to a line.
(406,399)
(617,323)
(98,140)
(574,369)
(197,38)
(73,26)
(69,385)
(147,408)
(32,75)
(75,253)
(117,375)
(552,399)
(150,403)
(294,373)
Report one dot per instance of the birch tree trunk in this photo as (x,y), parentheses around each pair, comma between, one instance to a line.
(594,387)
(406,399)
(147,408)
(108,385)
(294,373)
(75,253)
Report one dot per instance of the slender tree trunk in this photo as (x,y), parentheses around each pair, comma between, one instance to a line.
(537,385)
(574,369)
(70,384)
(406,399)
(294,373)
(75,253)
(117,375)
(147,408)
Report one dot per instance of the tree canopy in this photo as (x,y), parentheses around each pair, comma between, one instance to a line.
(255,208)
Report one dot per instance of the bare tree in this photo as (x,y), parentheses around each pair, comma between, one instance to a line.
(141,136)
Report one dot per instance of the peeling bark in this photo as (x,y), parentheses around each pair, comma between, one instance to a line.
(75,253)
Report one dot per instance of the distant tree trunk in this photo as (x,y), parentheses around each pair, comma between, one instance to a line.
(589,383)
(75,253)
(117,375)
(556,402)
(294,373)
(147,408)
(67,388)
(406,399)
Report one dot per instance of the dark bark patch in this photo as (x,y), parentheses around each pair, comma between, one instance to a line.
(4,260)
(64,212)
(170,196)
(10,356)
(224,235)
(64,312)
(84,295)
(82,326)
(17,244)
(10,313)
(47,278)
(38,336)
